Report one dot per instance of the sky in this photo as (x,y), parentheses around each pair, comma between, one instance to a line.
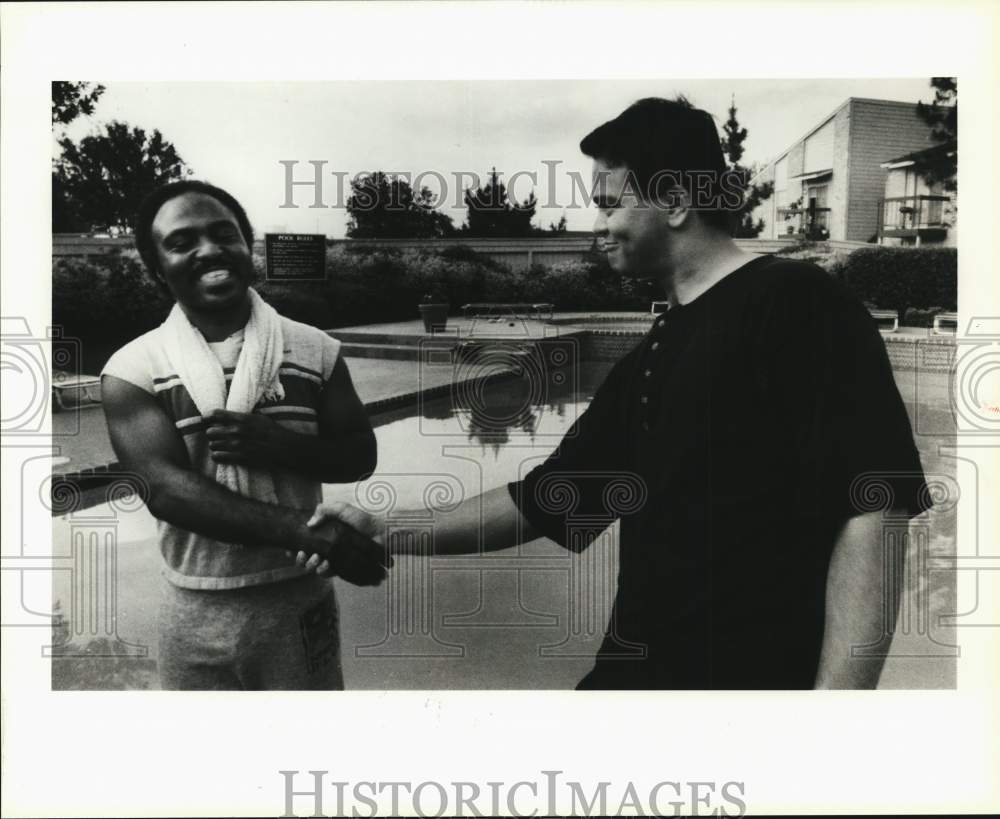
(238,134)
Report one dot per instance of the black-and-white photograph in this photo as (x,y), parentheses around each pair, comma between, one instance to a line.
(499,409)
(642,388)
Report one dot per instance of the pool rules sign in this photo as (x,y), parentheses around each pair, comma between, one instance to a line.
(295,257)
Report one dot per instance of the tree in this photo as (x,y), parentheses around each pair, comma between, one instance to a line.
(102,180)
(940,165)
(491,211)
(558,227)
(384,206)
(753,195)
(70,99)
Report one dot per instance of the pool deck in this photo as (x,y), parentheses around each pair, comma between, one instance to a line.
(459,327)
(82,437)
(384,382)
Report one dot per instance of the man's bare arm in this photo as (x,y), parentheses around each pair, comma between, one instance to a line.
(147,443)
(855,595)
(344,451)
(483,523)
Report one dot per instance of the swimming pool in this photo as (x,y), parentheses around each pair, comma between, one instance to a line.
(530,617)
(476,438)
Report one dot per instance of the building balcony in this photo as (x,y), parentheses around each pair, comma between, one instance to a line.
(920,217)
(813,222)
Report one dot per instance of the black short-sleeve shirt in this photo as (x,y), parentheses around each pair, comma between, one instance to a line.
(733,443)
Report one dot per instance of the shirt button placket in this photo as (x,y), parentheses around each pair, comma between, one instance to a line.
(648,373)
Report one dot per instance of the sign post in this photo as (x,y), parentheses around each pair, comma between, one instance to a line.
(295,257)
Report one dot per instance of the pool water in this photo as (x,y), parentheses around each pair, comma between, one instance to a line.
(529,617)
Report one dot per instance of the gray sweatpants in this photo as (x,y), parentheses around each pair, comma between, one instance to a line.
(277,636)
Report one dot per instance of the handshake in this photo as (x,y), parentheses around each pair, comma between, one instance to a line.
(348,543)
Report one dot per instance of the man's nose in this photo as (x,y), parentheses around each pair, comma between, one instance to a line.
(207,248)
(601,224)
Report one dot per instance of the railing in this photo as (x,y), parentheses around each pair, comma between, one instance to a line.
(911,212)
(813,222)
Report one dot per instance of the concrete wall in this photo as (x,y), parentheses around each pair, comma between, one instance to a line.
(767,210)
(839,181)
(518,253)
(818,149)
(797,159)
(72,244)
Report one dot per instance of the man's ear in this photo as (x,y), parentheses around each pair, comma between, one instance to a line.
(157,277)
(678,207)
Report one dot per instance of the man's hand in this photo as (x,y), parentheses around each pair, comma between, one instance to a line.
(242,438)
(355,553)
(480,523)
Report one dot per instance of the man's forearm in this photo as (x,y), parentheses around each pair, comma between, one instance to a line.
(855,607)
(193,502)
(484,523)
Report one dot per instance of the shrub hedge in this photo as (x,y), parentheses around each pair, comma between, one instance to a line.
(902,278)
(110,300)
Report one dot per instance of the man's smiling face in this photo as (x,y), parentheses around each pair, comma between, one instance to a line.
(201,253)
(632,231)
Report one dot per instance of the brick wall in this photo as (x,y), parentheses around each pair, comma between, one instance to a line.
(880,131)
(928,355)
(608,345)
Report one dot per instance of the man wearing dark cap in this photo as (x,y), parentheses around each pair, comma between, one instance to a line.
(756,431)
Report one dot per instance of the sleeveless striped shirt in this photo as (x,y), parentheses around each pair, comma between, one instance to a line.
(196,562)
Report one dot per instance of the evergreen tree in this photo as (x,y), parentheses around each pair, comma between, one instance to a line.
(491,211)
(941,165)
(734,135)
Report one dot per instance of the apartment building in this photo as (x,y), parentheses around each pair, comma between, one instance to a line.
(913,212)
(831,182)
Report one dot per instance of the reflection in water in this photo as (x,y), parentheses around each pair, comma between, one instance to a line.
(510,407)
(517,405)
(516,421)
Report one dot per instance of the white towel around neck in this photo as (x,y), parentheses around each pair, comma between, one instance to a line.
(256,378)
